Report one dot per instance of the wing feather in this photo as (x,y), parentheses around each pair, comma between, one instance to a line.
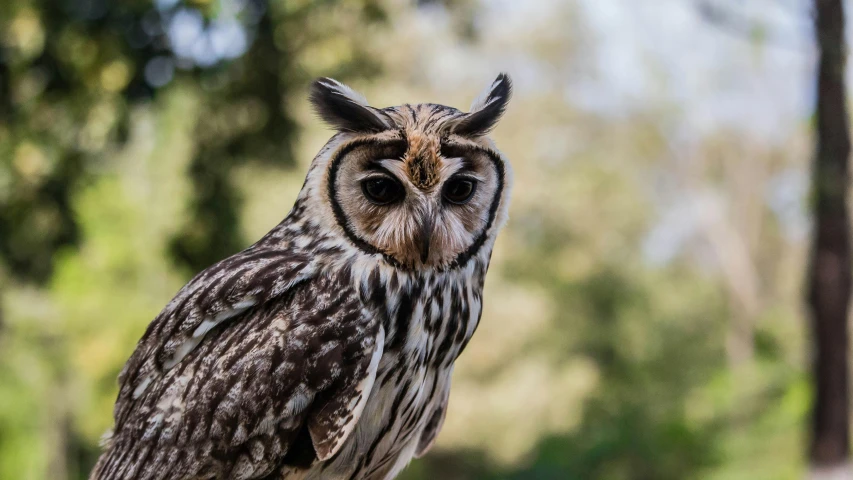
(434,424)
(304,357)
(336,418)
(219,293)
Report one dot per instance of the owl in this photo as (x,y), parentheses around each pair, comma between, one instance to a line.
(325,350)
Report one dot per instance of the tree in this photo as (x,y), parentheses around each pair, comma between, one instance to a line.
(829,275)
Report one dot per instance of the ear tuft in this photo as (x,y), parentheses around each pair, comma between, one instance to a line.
(345,109)
(487,109)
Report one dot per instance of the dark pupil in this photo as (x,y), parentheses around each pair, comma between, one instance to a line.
(459,191)
(381,190)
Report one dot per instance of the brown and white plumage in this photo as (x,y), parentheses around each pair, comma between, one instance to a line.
(325,350)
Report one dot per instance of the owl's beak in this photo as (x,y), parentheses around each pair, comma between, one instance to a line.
(427,223)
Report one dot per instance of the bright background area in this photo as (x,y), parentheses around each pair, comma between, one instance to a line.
(643,309)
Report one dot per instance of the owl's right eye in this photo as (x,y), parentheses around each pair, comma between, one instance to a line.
(382,190)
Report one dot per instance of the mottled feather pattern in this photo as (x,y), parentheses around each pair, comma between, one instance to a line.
(253,381)
(315,353)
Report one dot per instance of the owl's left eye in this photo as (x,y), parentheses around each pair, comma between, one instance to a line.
(382,190)
(459,190)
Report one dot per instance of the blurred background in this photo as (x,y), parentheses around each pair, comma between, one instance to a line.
(643,313)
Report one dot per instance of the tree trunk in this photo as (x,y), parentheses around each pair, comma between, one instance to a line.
(829,276)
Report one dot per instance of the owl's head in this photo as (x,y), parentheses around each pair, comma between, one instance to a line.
(421,184)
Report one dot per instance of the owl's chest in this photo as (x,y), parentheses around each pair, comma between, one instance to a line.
(391,426)
(428,324)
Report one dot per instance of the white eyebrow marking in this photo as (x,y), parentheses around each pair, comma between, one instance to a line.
(395,166)
(452,165)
